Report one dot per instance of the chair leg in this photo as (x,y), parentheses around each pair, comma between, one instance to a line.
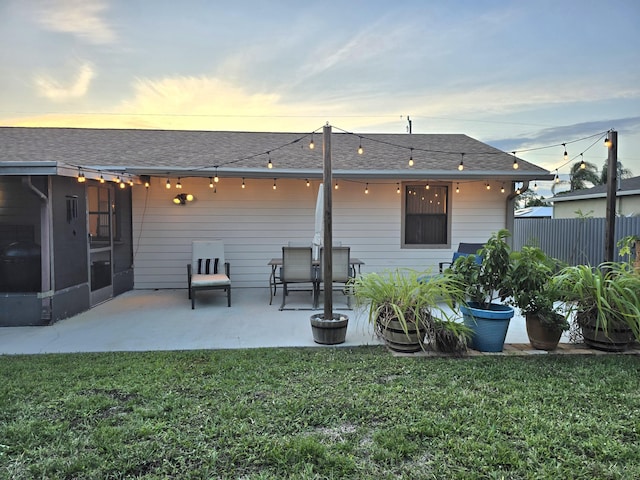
(193,299)
(228,296)
(284,295)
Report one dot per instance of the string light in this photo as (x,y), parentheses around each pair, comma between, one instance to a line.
(556,178)
(411,159)
(122,185)
(488,186)
(81,177)
(427,187)
(117,180)
(502,188)
(178,185)
(131,182)
(360,149)
(146,184)
(168,184)
(566,155)
(274,184)
(210,182)
(243,185)
(366,189)
(311,144)
(535,186)
(336,186)
(607,141)
(101,179)
(515,161)
(582,164)
(308,182)
(458,187)
(461,166)
(398,190)
(269,165)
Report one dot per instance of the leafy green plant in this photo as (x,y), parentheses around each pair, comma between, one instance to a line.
(410,298)
(533,291)
(629,247)
(608,295)
(490,279)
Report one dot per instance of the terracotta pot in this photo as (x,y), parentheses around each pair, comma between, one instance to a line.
(542,337)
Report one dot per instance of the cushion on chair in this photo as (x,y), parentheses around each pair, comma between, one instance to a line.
(211,280)
(204,266)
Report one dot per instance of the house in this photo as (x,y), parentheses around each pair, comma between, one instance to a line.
(534,212)
(86,214)
(593,201)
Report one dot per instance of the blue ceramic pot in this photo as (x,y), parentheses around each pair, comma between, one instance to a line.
(489,326)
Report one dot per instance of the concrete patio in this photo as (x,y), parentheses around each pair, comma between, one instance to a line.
(142,320)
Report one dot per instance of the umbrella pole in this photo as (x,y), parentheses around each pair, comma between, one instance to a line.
(327,267)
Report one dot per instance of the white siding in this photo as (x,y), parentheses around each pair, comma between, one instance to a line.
(257,221)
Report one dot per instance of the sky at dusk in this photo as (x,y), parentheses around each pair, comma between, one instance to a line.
(518,75)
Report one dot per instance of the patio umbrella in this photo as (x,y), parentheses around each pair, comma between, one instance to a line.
(319,225)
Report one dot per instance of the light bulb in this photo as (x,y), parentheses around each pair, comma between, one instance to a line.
(168,184)
(189,197)
(366,189)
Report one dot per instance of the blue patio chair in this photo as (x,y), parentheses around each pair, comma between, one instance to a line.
(464,249)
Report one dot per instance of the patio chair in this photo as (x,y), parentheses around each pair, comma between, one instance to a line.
(297,268)
(205,272)
(341,270)
(464,249)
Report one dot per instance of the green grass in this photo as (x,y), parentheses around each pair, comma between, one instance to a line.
(318,413)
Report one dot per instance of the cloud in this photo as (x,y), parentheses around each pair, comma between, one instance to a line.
(77,17)
(556,135)
(53,90)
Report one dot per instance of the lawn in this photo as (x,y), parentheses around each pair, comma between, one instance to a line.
(318,413)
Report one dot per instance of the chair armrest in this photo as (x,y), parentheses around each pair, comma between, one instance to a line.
(227,269)
(442,264)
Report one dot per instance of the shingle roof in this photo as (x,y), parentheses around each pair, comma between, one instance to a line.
(247,153)
(628,186)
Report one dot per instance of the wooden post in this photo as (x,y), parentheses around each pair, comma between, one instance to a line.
(327,264)
(612,182)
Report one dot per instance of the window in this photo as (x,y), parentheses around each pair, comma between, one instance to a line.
(426,215)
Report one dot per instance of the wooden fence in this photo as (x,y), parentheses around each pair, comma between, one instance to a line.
(572,240)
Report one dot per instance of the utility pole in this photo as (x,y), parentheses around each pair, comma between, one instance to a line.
(327,263)
(612,182)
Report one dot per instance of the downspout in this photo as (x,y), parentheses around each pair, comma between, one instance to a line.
(510,211)
(45,247)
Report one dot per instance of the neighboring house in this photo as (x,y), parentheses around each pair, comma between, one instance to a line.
(84,242)
(593,201)
(534,212)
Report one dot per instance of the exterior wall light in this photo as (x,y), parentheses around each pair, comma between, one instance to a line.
(183,198)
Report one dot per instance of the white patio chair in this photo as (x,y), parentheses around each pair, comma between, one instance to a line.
(297,267)
(208,269)
(341,270)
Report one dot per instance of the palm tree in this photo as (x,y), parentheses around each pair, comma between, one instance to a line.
(583,173)
(622,172)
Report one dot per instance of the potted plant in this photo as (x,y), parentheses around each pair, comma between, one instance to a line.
(604,303)
(402,304)
(485,282)
(537,297)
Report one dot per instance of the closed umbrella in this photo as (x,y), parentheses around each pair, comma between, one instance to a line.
(319,225)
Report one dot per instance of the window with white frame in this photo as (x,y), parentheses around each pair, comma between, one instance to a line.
(426,219)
